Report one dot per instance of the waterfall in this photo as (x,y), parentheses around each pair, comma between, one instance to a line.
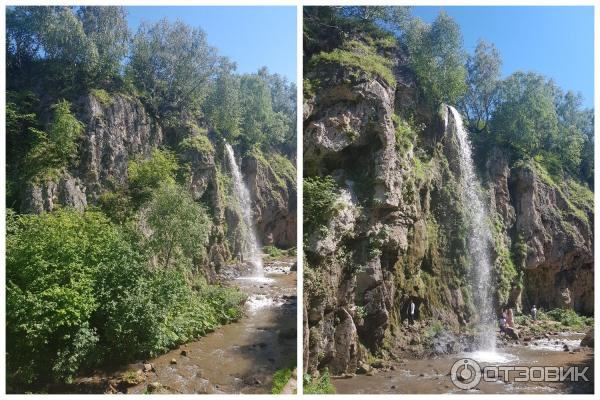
(251,249)
(479,239)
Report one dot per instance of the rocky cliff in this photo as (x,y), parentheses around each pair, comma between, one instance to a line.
(119,129)
(397,229)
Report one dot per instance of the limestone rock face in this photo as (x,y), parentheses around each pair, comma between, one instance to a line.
(274,196)
(119,130)
(559,262)
(114,132)
(68,191)
(398,229)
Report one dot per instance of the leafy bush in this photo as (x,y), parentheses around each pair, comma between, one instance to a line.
(321,385)
(52,293)
(57,147)
(569,318)
(359,55)
(200,143)
(280,379)
(79,295)
(274,252)
(145,175)
(179,226)
(320,194)
(102,95)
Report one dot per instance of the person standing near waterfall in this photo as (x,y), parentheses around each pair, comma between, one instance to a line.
(510,318)
(411,312)
(534,313)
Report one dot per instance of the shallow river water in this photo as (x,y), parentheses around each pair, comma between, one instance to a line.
(433,375)
(236,358)
(240,357)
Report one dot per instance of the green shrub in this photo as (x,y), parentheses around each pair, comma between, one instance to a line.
(52,293)
(280,379)
(320,194)
(569,318)
(102,96)
(200,143)
(55,148)
(274,252)
(321,385)
(145,175)
(79,296)
(355,54)
(179,226)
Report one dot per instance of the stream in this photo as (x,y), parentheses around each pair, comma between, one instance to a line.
(240,357)
(415,376)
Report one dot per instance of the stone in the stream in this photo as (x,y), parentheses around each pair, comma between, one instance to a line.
(566,347)
(184,353)
(393,387)
(363,368)
(588,340)
(512,333)
(173,361)
(154,387)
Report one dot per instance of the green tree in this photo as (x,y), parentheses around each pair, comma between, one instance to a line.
(257,111)
(395,17)
(146,175)
(56,147)
(222,107)
(172,64)
(51,261)
(106,28)
(437,58)
(525,118)
(180,227)
(483,75)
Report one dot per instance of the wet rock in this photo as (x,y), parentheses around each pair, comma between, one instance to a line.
(184,353)
(588,340)
(148,367)
(132,378)
(566,347)
(363,368)
(512,333)
(154,387)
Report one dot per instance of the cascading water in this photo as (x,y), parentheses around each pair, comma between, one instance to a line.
(251,250)
(479,241)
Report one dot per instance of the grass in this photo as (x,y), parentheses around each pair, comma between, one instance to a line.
(102,95)
(321,385)
(280,379)
(199,143)
(547,320)
(569,318)
(355,54)
(274,252)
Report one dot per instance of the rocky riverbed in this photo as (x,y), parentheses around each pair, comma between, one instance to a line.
(432,373)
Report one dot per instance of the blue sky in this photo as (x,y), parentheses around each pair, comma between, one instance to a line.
(555,41)
(251,36)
